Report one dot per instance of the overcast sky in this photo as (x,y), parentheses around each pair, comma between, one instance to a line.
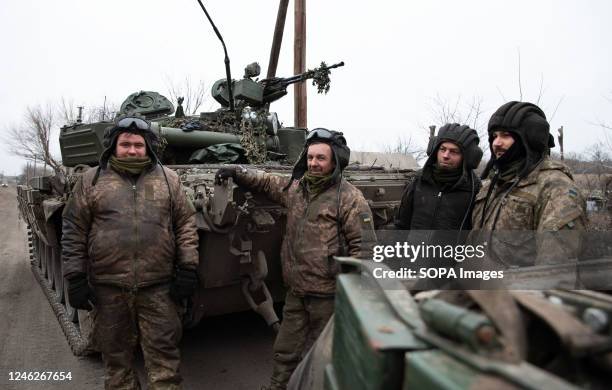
(399,56)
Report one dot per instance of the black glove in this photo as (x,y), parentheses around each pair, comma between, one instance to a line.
(224,173)
(79,293)
(184,284)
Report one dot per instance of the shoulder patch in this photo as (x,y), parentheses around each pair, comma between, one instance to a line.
(365,218)
(572,192)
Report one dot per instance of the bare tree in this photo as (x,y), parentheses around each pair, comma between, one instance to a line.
(606,126)
(465,112)
(31,139)
(602,163)
(442,111)
(69,112)
(104,112)
(407,146)
(194,94)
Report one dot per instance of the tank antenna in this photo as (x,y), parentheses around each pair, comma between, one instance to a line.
(80,115)
(227,61)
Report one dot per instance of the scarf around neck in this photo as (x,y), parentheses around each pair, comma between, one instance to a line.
(446,177)
(131,165)
(316,184)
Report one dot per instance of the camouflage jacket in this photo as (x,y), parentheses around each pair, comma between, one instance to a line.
(311,236)
(538,222)
(128,233)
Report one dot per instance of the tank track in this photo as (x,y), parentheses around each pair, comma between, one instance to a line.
(78,344)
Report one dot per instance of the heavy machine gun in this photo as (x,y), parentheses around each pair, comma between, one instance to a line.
(261,93)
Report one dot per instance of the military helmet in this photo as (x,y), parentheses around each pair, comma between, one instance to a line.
(135,124)
(340,150)
(527,121)
(462,135)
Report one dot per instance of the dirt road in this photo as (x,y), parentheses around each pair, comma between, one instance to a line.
(230,352)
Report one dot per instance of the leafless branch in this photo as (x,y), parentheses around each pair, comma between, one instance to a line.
(67,110)
(500,93)
(469,113)
(194,94)
(556,108)
(519,75)
(31,140)
(541,90)
(105,112)
(407,146)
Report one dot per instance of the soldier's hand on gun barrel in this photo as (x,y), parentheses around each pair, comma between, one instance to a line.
(225,173)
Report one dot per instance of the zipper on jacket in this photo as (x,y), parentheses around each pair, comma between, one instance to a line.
(135,222)
(435,214)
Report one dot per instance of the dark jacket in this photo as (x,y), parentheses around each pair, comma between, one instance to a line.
(128,233)
(441,215)
(426,205)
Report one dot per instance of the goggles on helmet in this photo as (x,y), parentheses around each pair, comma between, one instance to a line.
(126,123)
(324,134)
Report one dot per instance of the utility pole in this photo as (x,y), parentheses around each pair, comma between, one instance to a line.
(560,138)
(277,39)
(299,64)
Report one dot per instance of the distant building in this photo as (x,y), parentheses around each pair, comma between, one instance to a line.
(597,190)
(387,160)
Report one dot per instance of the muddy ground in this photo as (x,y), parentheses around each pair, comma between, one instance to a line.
(229,352)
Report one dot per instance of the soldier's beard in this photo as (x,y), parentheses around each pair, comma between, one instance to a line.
(514,153)
(499,152)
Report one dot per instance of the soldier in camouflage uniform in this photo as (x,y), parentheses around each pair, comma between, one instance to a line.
(130,250)
(529,209)
(326,216)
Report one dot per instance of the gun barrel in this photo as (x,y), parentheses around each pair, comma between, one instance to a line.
(201,139)
(299,77)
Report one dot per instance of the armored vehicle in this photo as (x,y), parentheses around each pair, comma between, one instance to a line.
(240,232)
(384,336)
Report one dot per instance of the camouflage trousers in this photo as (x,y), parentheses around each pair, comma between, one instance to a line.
(122,321)
(303,321)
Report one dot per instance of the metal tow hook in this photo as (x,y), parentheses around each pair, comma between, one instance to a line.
(265,308)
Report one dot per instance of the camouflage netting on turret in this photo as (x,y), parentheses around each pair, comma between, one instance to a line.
(219,121)
(249,139)
(252,133)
